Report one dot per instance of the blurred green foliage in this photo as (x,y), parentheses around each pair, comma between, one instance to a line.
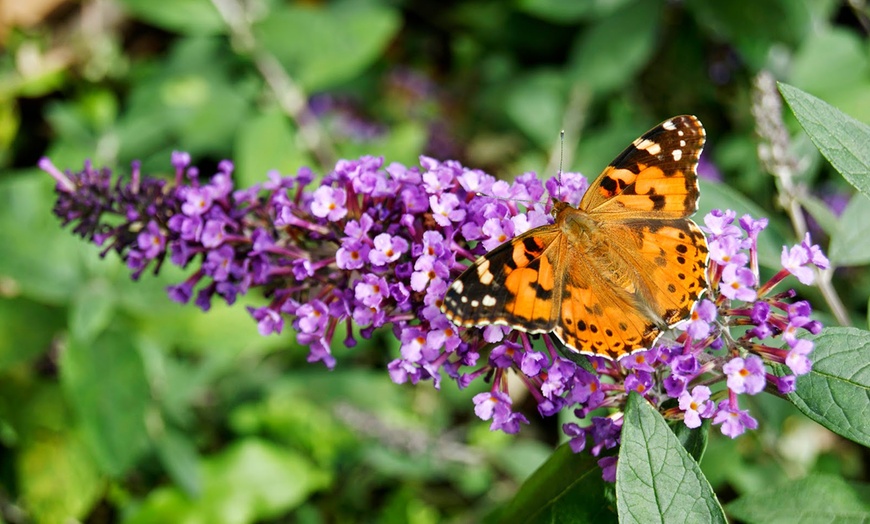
(117,405)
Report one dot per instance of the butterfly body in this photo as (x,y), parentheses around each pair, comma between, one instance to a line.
(608,276)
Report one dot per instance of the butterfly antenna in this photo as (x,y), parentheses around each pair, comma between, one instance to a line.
(561,156)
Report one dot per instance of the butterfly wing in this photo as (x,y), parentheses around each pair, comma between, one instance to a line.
(654,177)
(640,278)
(517,284)
(598,317)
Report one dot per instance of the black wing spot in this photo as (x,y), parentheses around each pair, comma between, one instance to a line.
(593,328)
(581,326)
(682,249)
(609,184)
(672,288)
(623,326)
(658,201)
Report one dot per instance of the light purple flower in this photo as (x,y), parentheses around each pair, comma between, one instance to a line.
(197,201)
(696,406)
(151,240)
(387,248)
(734,420)
(795,261)
(814,252)
(446,209)
(797,360)
(698,326)
(737,283)
(577,436)
(329,203)
(745,375)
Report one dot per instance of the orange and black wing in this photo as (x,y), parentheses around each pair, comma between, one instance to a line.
(655,177)
(517,284)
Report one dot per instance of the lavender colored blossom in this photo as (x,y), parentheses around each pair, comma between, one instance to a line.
(696,405)
(373,246)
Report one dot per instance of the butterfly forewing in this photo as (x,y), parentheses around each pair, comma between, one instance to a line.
(609,276)
(654,176)
(514,285)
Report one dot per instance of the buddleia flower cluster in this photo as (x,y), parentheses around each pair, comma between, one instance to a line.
(374,246)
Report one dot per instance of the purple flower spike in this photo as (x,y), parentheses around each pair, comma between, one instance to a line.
(369,247)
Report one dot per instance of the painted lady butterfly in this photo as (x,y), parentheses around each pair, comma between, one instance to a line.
(608,276)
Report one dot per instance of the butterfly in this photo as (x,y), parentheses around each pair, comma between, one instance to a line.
(609,276)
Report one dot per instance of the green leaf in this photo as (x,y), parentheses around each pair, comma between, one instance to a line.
(840,138)
(566,488)
(251,481)
(536,104)
(265,142)
(836,393)
(656,478)
(828,60)
(753,27)
(105,381)
(59,480)
(592,62)
(192,17)
(561,12)
(92,309)
(848,243)
(26,330)
(821,212)
(192,100)
(817,498)
(323,46)
(179,456)
(693,440)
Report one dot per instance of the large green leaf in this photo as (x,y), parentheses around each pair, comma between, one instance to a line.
(753,27)
(265,142)
(251,481)
(818,498)
(566,488)
(183,16)
(656,478)
(848,243)
(105,381)
(841,139)
(836,393)
(536,104)
(323,46)
(629,33)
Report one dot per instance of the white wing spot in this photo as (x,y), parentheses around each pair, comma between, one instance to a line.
(483,273)
(457,286)
(669,125)
(488,301)
(678,154)
(464,300)
(648,145)
(475,303)
(682,143)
